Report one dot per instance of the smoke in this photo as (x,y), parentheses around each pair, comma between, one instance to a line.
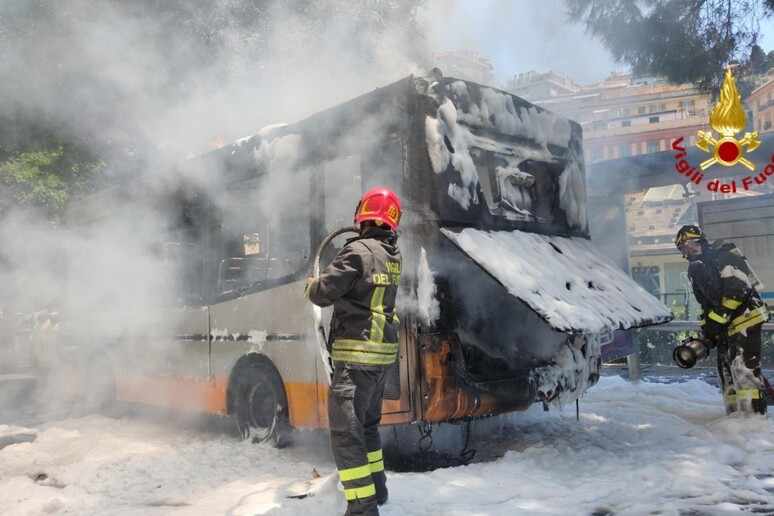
(517,37)
(148,85)
(145,86)
(155,83)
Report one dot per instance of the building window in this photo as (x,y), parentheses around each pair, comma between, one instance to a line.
(688,104)
(653,147)
(641,110)
(623,112)
(596,154)
(626,123)
(625,150)
(598,125)
(656,108)
(653,120)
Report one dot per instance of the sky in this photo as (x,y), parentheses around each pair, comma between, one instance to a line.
(521,36)
(637,449)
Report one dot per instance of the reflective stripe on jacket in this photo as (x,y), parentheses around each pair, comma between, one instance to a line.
(362,283)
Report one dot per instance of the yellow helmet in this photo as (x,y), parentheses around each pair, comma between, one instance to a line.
(688,233)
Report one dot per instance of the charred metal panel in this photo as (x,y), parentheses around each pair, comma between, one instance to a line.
(498,332)
(499,162)
(448,394)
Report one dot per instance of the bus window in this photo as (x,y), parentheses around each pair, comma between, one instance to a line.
(288,247)
(342,191)
(241,244)
(184,250)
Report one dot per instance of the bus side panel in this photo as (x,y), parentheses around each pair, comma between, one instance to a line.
(179,393)
(277,323)
(175,345)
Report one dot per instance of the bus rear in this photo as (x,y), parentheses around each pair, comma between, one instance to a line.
(515,301)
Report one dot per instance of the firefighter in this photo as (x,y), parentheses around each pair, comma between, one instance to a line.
(361,283)
(731,318)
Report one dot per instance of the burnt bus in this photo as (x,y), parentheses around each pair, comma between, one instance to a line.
(504,300)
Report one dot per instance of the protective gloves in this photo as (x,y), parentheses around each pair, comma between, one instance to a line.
(713,329)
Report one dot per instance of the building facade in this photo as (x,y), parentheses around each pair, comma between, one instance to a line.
(624,117)
(536,85)
(465,65)
(761,104)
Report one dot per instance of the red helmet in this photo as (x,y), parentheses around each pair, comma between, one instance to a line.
(380,205)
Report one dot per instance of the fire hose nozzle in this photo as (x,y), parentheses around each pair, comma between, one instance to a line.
(691,351)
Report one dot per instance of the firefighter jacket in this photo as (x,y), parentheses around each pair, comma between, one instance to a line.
(362,283)
(722,288)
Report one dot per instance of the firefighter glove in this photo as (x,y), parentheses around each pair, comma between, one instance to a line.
(713,330)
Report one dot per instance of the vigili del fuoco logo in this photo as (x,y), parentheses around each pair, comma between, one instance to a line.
(727,119)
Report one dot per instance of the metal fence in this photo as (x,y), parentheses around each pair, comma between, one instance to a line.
(656,343)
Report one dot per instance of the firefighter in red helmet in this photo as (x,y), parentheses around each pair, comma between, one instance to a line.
(731,319)
(362,283)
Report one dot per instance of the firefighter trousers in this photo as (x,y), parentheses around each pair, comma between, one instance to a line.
(739,372)
(354,413)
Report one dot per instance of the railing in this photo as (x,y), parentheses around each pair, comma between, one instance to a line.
(656,343)
(683,299)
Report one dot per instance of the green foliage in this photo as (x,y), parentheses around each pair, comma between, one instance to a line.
(687,41)
(757,60)
(46,179)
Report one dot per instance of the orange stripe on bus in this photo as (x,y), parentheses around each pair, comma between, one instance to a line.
(201,395)
(308,404)
(307,401)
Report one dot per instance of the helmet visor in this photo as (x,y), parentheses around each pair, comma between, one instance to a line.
(691,247)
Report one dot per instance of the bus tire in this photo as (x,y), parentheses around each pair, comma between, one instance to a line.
(261,406)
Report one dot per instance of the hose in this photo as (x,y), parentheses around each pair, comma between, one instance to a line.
(324,244)
(322,342)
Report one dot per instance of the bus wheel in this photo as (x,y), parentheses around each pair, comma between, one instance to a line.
(261,410)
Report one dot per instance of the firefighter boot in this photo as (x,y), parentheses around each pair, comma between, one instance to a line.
(362,507)
(750,397)
(758,405)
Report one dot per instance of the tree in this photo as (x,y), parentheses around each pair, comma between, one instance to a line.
(687,41)
(757,60)
(768,64)
(46,179)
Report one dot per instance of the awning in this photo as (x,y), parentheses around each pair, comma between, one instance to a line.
(566,280)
